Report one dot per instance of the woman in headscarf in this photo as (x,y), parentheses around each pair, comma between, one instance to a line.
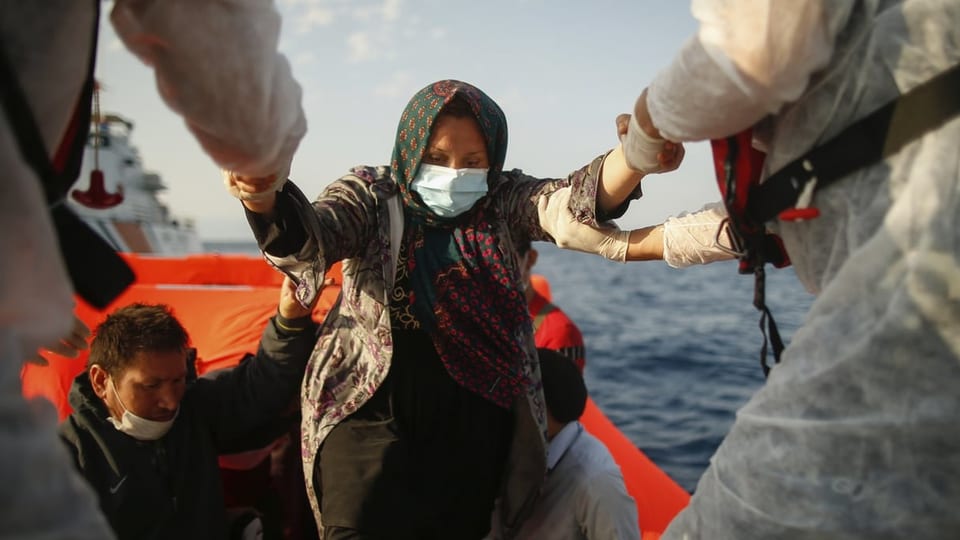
(422,403)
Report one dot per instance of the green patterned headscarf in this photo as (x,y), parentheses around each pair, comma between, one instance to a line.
(463,294)
(414,130)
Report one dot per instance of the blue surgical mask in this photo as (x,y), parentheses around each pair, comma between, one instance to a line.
(449,192)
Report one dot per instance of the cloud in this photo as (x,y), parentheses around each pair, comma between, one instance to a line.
(360,47)
(319,16)
(307,15)
(414,30)
(364,13)
(287,5)
(386,11)
(391,10)
(370,27)
(313,17)
(398,85)
(303,58)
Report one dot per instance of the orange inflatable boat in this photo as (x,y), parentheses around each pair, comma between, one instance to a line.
(224,301)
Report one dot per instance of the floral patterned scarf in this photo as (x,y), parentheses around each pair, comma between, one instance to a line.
(462,293)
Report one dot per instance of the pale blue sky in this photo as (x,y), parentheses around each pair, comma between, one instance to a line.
(561,70)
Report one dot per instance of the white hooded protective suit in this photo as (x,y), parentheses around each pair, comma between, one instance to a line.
(251,125)
(855,434)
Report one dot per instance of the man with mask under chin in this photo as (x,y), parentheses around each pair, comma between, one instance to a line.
(146,435)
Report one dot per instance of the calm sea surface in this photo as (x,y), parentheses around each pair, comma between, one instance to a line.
(671,354)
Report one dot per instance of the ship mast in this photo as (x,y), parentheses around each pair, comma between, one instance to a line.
(96,196)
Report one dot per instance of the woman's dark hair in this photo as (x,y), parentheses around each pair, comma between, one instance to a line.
(458,107)
(133,329)
(563,386)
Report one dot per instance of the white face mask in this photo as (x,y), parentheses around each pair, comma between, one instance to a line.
(449,192)
(137,427)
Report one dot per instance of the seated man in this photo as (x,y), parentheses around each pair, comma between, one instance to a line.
(583,496)
(146,435)
(552,328)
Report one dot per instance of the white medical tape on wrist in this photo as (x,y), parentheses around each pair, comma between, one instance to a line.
(228,182)
(640,149)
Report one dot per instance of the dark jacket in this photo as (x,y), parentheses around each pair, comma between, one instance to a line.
(170,488)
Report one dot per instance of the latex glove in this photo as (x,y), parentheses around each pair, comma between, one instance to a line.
(558,221)
(68,346)
(692,238)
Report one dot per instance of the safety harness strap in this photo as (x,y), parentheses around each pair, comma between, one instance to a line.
(738,169)
(98,274)
(880,134)
(750,203)
(767,324)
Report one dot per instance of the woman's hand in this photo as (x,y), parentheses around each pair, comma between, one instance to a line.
(669,154)
(258,194)
(291,308)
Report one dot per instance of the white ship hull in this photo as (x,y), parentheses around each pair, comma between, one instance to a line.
(141,237)
(124,208)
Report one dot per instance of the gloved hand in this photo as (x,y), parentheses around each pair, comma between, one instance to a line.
(557,220)
(68,346)
(696,238)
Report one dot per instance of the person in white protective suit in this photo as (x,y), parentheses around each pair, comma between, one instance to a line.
(854,434)
(194,47)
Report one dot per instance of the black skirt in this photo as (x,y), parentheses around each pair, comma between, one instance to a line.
(423,458)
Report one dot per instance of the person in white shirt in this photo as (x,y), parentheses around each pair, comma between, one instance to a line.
(584,496)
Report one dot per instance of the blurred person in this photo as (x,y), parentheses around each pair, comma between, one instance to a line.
(47,84)
(854,104)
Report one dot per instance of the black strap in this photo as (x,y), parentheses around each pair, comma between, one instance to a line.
(768,326)
(98,274)
(880,134)
(750,240)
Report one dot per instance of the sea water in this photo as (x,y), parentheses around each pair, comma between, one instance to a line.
(671,354)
